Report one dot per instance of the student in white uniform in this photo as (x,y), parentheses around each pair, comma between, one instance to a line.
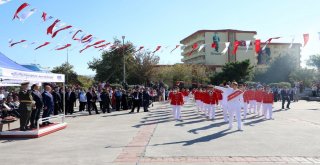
(234,101)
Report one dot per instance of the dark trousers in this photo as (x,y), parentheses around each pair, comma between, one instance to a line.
(106,107)
(118,101)
(284,99)
(24,120)
(35,116)
(145,107)
(56,109)
(101,105)
(46,113)
(82,106)
(136,103)
(92,105)
(70,108)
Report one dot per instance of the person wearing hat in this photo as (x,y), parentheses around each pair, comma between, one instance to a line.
(234,101)
(26,105)
(176,100)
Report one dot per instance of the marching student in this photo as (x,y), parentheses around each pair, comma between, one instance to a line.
(267,103)
(197,98)
(186,93)
(234,100)
(246,97)
(176,100)
(251,98)
(226,91)
(258,98)
(210,101)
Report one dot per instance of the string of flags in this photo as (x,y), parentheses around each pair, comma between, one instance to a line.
(25,10)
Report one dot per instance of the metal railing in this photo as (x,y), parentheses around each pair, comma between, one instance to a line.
(41,120)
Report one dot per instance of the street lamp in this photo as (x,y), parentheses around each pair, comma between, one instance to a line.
(124,61)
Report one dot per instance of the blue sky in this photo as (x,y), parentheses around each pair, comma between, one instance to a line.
(151,23)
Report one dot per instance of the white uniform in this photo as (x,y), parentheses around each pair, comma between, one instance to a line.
(235,110)
(224,103)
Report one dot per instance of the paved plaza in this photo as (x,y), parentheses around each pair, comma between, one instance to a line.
(155,138)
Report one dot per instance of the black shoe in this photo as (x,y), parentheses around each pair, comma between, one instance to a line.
(131,112)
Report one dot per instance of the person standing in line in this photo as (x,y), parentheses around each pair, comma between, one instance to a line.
(285,97)
(89,98)
(94,100)
(105,101)
(267,103)
(124,100)
(176,101)
(98,92)
(136,100)
(145,99)
(246,97)
(210,101)
(118,95)
(35,114)
(48,104)
(57,99)
(258,98)
(234,101)
(26,105)
(82,100)
(70,99)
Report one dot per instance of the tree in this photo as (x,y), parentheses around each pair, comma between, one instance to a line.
(234,71)
(110,66)
(279,70)
(86,81)
(142,70)
(67,70)
(314,61)
(307,76)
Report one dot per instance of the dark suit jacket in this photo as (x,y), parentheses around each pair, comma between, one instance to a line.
(145,98)
(71,97)
(89,96)
(136,95)
(48,101)
(37,97)
(284,93)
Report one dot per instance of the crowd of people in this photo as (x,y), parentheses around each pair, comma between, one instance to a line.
(233,99)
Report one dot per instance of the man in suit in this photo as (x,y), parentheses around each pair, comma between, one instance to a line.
(26,105)
(105,99)
(145,99)
(48,104)
(285,97)
(35,114)
(70,99)
(136,100)
(57,100)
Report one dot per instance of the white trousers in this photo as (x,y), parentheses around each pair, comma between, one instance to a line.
(210,111)
(186,99)
(235,110)
(224,106)
(252,106)
(245,110)
(267,108)
(198,104)
(176,111)
(259,105)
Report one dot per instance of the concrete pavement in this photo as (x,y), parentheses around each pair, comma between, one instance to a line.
(155,138)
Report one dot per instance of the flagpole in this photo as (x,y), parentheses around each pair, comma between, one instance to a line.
(67,65)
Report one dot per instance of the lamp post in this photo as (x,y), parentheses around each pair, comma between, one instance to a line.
(124,61)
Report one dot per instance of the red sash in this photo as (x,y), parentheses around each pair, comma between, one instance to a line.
(234,94)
